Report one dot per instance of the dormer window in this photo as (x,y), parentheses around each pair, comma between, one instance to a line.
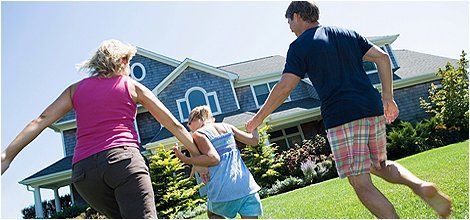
(194,97)
(138,71)
(261,92)
(369,67)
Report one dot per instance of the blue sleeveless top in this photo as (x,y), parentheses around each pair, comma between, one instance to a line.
(230,179)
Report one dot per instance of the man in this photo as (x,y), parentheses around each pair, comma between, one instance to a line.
(353,111)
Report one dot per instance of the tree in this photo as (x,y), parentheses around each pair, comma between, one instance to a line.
(174,191)
(449,102)
(261,160)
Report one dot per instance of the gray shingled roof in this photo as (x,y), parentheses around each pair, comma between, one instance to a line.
(61,165)
(261,66)
(414,63)
(238,120)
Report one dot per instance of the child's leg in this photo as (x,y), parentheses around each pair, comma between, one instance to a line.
(212,215)
(249,217)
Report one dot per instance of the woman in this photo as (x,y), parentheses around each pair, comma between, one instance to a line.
(108,170)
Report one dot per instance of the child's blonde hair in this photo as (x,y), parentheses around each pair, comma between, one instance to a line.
(201,112)
(106,61)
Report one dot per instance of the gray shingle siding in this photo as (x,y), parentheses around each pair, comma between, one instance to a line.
(155,71)
(70,140)
(408,101)
(148,127)
(195,78)
(245,97)
(299,92)
(69,116)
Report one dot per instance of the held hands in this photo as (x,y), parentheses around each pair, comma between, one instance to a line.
(390,109)
(203,171)
(252,124)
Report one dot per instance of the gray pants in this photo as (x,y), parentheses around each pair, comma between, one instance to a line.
(116,182)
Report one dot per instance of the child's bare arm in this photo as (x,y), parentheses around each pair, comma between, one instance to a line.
(246,138)
(208,157)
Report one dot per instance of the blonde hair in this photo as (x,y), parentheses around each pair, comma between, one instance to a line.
(106,61)
(201,112)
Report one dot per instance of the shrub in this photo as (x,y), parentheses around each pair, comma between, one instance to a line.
(449,103)
(286,185)
(261,160)
(174,191)
(91,213)
(310,150)
(316,172)
(403,141)
(48,207)
(70,212)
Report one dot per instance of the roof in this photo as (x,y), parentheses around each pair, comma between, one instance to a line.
(256,67)
(414,63)
(61,165)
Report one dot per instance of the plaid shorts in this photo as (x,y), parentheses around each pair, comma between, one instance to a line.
(358,144)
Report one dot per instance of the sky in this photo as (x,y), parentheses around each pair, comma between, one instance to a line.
(42,41)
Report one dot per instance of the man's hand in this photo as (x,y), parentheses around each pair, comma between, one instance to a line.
(5,162)
(390,109)
(203,173)
(252,124)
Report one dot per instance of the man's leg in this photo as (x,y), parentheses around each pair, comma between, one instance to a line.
(350,146)
(371,197)
(395,173)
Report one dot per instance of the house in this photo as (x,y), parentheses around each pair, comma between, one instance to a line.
(234,92)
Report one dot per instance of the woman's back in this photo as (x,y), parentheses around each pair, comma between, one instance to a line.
(105,113)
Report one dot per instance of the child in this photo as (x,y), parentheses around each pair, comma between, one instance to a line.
(231,188)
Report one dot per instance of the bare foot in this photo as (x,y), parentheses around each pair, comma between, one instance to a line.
(439,201)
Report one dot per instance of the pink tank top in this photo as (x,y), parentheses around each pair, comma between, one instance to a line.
(105,115)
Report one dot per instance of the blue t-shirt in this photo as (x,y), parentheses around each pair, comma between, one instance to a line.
(332,59)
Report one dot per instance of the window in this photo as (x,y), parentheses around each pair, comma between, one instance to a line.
(369,67)
(195,97)
(138,71)
(261,92)
(287,138)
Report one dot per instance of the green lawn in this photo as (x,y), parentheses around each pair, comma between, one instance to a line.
(445,166)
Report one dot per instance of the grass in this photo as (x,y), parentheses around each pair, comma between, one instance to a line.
(445,166)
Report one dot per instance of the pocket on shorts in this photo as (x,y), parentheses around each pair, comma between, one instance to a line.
(118,155)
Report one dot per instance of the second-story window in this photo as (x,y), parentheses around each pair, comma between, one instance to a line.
(369,67)
(138,71)
(261,92)
(194,97)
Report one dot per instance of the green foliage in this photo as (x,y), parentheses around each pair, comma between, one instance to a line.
(402,141)
(316,150)
(69,212)
(286,185)
(174,191)
(449,103)
(48,207)
(261,160)
(91,213)
(319,171)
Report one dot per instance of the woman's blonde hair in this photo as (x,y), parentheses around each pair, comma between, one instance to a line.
(106,61)
(201,112)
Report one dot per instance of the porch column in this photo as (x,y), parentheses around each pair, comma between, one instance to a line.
(57,200)
(38,203)
(71,194)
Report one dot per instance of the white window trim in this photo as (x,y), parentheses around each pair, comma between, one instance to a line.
(285,137)
(288,99)
(143,71)
(373,71)
(206,96)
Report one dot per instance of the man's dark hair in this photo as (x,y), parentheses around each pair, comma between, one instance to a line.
(307,10)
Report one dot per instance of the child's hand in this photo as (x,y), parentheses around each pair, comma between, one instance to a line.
(203,173)
(179,154)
